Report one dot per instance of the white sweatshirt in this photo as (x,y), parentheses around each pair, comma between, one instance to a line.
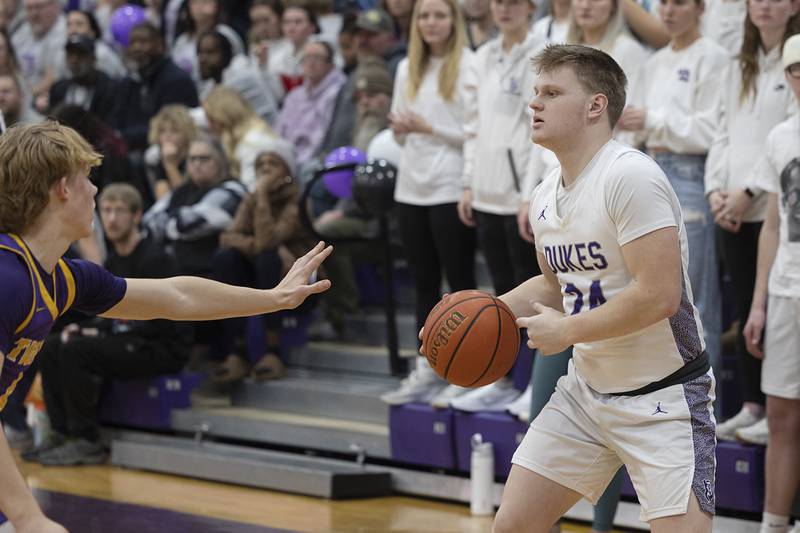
(743,127)
(431,166)
(497,125)
(679,91)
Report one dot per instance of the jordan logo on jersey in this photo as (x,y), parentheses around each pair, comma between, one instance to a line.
(541,215)
(659,410)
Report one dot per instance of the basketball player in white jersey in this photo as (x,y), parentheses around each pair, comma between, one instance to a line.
(612,247)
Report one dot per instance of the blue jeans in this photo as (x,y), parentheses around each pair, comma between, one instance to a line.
(686,173)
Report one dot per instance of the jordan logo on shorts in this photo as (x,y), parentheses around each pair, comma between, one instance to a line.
(659,410)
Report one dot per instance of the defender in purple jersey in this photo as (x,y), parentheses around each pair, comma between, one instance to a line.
(47,202)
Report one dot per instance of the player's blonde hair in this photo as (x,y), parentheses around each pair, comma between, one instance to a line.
(175,115)
(419,54)
(32,158)
(597,72)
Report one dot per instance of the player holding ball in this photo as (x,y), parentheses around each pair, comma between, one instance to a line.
(611,243)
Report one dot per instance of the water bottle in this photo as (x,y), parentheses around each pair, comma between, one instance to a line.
(481,502)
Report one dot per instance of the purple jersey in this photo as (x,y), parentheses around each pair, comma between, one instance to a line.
(33,299)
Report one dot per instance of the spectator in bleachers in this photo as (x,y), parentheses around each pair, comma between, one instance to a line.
(189,219)
(266,14)
(38,41)
(376,35)
(373,100)
(373,97)
(171,132)
(12,102)
(553,26)
(157,82)
(243,133)
(266,237)
(480,25)
(772,331)
(85,85)
(308,109)
(204,16)
(115,166)
(298,24)
(340,131)
(12,17)
(673,113)
(496,187)
(754,99)
(601,24)
(217,66)
(427,119)
(400,11)
(106,59)
(71,362)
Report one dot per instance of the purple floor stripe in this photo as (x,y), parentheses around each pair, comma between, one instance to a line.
(91,515)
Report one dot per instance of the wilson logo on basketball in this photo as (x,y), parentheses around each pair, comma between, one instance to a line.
(442,337)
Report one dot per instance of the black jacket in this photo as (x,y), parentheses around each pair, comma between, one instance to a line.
(104,100)
(162,83)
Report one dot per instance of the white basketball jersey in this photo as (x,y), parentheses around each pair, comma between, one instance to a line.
(620,196)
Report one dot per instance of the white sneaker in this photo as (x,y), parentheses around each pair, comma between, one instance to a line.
(796,528)
(744,418)
(421,385)
(494,397)
(521,407)
(757,433)
(442,400)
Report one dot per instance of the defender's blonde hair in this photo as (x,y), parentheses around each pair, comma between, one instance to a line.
(419,54)
(32,158)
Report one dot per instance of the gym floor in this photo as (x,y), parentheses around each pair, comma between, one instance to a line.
(100,499)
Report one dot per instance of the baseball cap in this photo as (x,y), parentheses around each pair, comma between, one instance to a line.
(375,20)
(80,43)
(791,51)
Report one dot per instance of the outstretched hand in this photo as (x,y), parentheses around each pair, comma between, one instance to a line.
(294,288)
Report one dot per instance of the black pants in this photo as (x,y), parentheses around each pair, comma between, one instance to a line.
(73,373)
(434,237)
(261,272)
(739,253)
(511,260)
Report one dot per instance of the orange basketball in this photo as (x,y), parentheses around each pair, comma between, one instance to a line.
(471,339)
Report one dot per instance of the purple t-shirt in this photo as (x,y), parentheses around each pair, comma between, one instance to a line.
(33,299)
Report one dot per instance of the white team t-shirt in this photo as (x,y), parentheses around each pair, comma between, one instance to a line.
(620,196)
(778,171)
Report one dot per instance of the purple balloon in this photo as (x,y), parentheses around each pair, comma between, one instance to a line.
(123,20)
(339,182)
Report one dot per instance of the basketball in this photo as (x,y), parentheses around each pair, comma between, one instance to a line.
(471,339)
